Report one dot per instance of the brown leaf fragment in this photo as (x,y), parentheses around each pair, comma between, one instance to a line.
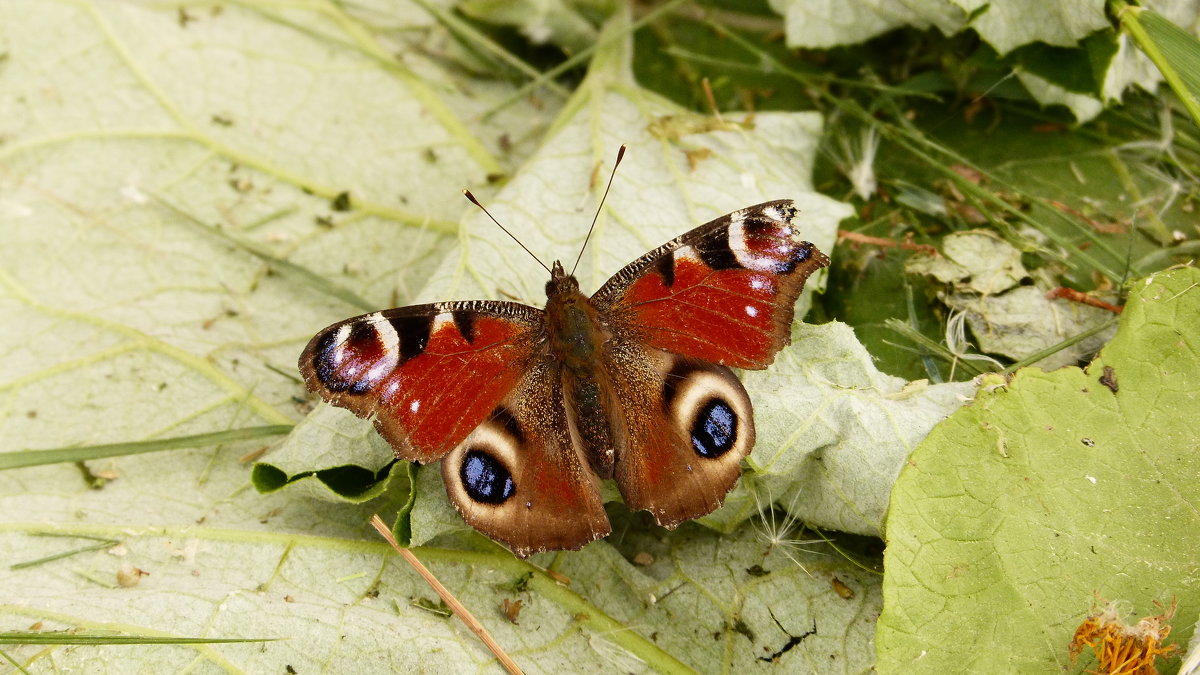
(1109,378)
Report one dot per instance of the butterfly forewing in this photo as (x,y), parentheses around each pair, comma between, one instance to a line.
(724,292)
(428,374)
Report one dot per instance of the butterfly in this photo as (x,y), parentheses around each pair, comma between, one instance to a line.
(529,409)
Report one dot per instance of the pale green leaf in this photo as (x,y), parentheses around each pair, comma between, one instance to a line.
(823,25)
(328,437)
(1082,106)
(1004,25)
(979,261)
(1023,321)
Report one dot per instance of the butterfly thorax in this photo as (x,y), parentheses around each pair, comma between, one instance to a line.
(574,328)
(576,338)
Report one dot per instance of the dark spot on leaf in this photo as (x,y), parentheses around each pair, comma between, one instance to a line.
(793,640)
(1109,379)
(757,571)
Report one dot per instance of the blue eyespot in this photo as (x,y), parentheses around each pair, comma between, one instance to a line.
(715,430)
(485,478)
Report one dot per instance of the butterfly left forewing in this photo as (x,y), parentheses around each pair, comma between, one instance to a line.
(473,384)
(427,374)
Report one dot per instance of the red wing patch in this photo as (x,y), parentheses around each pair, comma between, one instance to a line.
(724,292)
(725,317)
(427,374)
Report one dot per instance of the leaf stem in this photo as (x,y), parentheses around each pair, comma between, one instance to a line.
(462,612)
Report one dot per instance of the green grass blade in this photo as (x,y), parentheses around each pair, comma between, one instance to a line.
(73,638)
(1175,52)
(24,458)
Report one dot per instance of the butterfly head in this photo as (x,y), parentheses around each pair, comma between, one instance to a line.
(561,283)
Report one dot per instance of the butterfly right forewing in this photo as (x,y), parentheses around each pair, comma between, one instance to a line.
(724,292)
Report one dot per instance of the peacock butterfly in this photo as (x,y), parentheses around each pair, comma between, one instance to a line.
(529,409)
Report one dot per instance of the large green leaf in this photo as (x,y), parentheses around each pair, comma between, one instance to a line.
(1050,488)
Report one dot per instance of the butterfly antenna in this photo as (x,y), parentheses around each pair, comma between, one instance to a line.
(620,155)
(471,198)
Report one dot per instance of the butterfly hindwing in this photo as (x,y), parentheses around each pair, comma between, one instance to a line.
(685,425)
(427,374)
(724,292)
(521,477)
